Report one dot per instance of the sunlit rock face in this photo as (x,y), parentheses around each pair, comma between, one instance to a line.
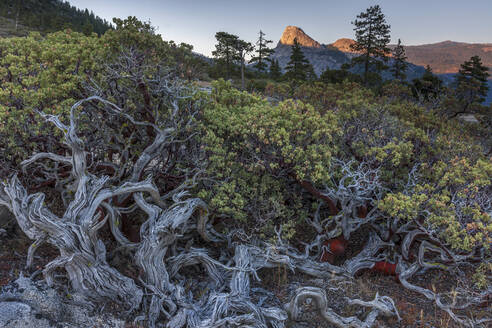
(344,44)
(294,32)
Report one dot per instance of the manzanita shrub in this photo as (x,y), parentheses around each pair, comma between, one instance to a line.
(260,154)
(40,74)
(422,179)
(50,73)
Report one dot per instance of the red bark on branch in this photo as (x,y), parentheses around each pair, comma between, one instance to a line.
(308,186)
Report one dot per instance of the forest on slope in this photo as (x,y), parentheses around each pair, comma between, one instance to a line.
(49,16)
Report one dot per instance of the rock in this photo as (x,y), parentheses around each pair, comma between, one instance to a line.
(25,303)
(294,32)
(469,118)
(343,44)
(17,314)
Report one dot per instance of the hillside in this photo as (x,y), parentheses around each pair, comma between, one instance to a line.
(19,16)
(447,56)
(443,57)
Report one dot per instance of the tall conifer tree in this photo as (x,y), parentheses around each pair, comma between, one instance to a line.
(474,72)
(372,36)
(262,53)
(399,62)
(225,51)
(297,67)
(471,85)
(242,48)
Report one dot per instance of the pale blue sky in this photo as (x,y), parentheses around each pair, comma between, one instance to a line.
(195,22)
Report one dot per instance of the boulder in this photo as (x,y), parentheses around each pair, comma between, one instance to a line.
(26,303)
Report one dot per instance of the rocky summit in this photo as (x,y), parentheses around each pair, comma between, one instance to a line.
(343,44)
(294,32)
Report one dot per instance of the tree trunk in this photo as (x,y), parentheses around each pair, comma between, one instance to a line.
(366,67)
(17,19)
(242,73)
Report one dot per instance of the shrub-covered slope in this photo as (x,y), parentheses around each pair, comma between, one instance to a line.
(172,202)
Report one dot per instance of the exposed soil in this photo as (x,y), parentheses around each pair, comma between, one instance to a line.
(414,309)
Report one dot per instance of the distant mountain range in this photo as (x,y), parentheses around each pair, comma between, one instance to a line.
(323,56)
(444,58)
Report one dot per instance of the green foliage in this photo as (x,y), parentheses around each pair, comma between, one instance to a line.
(450,201)
(265,161)
(50,73)
(258,152)
(480,276)
(40,74)
(399,135)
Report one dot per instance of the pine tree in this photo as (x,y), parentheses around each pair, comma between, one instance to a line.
(297,67)
(225,51)
(399,62)
(471,80)
(428,86)
(275,70)
(262,53)
(372,36)
(242,48)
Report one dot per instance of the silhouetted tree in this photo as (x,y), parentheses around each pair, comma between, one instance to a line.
(372,36)
(338,76)
(262,53)
(399,62)
(225,51)
(472,80)
(297,67)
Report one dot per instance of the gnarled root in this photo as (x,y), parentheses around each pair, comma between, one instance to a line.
(380,305)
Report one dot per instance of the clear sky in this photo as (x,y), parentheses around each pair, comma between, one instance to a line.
(196,21)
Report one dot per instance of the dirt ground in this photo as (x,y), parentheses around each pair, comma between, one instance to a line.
(414,309)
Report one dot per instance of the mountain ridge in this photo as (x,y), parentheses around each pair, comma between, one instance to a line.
(294,32)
